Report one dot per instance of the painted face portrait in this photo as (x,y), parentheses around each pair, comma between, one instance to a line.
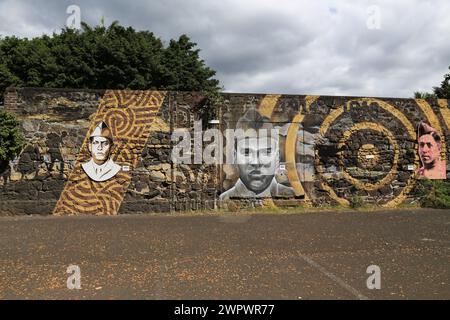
(430,147)
(257,159)
(100,149)
(429,150)
(101,167)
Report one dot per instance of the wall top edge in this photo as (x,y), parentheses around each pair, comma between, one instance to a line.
(44,89)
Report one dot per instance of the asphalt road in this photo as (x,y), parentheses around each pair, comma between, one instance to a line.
(228,256)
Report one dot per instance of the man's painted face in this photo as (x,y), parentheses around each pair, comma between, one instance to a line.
(257,160)
(429,149)
(100,148)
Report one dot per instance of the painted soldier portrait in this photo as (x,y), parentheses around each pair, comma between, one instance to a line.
(101,167)
(430,147)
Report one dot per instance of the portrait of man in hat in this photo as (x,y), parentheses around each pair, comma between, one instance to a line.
(256,155)
(430,146)
(101,167)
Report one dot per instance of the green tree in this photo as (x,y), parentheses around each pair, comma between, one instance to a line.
(184,70)
(443,92)
(11,141)
(424,95)
(113,57)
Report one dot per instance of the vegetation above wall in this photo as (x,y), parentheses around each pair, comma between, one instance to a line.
(441,92)
(114,57)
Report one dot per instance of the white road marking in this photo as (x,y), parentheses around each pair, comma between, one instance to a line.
(338,280)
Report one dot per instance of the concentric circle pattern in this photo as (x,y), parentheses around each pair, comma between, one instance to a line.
(373,152)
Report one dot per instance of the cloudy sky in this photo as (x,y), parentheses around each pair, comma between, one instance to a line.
(362,48)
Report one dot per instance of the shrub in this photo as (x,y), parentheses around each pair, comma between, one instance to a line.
(434,194)
(11,140)
(356,202)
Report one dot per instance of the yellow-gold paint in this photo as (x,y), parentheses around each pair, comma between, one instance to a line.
(290,149)
(319,169)
(130,115)
(309,101)
(409,129)
(291,142)
(443,107)
(268,104)
(391,174)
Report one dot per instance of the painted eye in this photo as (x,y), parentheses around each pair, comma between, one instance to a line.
(245,152)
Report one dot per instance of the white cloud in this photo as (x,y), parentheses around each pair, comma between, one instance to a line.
(284,46)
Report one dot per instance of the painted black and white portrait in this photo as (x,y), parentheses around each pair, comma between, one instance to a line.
(256,156)
(101,167)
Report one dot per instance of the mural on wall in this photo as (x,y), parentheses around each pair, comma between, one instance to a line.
(112,150)
(268,167)
(257,158)
(124,117)
(338,147)
(430,151)
(101,167)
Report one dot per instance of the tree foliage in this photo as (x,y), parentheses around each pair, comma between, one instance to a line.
(424,95)
(441,92)
(100,57)
(11,141)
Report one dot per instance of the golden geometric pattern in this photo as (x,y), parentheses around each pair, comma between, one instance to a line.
(290,149)
(266,108)
(129,115)
(374,126)
(291,165)
(445,112)
(267,104)
(392,141)
(368,156)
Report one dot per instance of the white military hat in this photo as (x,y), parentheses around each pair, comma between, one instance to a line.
(102,130)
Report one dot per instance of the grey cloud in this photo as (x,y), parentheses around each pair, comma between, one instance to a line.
(316,47)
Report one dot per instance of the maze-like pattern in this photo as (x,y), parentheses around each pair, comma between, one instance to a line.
(129,115)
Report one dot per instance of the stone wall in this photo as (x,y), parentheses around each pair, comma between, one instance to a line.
(332,149)
(54,123)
